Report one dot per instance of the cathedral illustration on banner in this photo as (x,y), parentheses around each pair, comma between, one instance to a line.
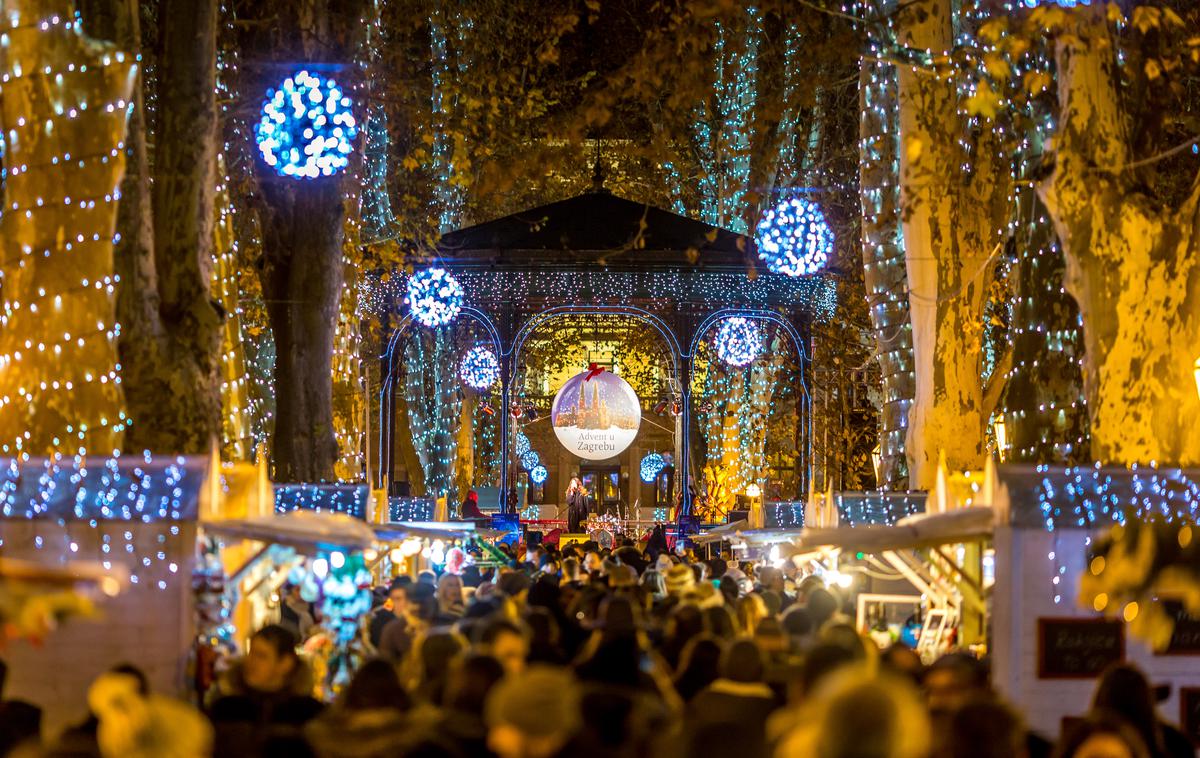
(592,410)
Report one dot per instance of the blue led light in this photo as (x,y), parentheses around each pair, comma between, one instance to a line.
(538,474)
(652,466)
(479,368)
(307,127)
(522,444)
(793,238)
(738,341)
(530,460)
(435,298)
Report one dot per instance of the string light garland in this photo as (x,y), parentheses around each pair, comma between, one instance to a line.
(651,466)
(738,341)
(479,368)
(307,127)
(435,298)
(793,238)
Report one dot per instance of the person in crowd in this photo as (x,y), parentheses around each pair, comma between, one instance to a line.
(368,719)
(505,641)
(269,688)
(469,509)
(472,678)
(1102,736)
(1124,691)
(534,714)
(396,634)
(432,658)
(739,697)
(450,605)
(699,666)
(295,613)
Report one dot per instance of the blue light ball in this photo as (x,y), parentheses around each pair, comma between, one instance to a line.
(522,444)
(538,474)
(652,466)
(479,368)
(738,341)
(435,298)
(793,238)
(307,127)
(530,460)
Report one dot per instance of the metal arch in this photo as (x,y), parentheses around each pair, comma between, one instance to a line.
(640,314)
(801,352)
(385,389)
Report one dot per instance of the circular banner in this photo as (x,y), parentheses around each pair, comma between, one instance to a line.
(596,415)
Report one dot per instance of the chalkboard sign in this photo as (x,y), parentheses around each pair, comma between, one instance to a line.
(1189,713)
(1185,639)
(1078,648)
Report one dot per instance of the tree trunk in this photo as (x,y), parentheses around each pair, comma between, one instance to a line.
(952,224)
(884,266)
(58,361)
(1133,266)
(302,282)
(171,330)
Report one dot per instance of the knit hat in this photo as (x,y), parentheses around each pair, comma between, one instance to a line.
(539,702)
(680,579)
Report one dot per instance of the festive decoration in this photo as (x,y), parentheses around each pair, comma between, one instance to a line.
(793,238)
(522,444)
(307,127)
(434,297)
(538,474)
(738,341)
(596,414)
(479,368)
(652,466)
(530,460)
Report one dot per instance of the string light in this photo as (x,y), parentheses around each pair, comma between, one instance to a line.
(739,341)
(435,297)
(793,238)
(479,368)
(307,127)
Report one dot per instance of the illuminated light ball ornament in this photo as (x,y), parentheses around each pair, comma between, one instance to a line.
(738,341)
(530,460)
(793,238)
(523,445)
(434,297)
(307,127)
(479,368)
(652,466)
(538,474)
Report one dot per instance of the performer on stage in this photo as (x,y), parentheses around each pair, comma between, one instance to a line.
(577,508)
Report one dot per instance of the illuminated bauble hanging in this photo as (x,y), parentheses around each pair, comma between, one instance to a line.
(522,444)
(538,474)
(596,414)
(652,466)
(530,460)
(307,127)
(435,298)
(793,238)
(479,368)
(738,341)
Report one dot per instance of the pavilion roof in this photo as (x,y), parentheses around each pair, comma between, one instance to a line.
(596,228)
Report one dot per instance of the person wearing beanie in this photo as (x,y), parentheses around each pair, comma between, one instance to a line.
(533,714)
(680,579)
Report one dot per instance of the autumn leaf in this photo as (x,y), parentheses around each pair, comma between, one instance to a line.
(1036,81)
(985,102)
(1153,70)
(993,30)
(997,66)
(1146,18)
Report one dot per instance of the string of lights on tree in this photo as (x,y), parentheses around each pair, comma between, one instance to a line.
(59,380)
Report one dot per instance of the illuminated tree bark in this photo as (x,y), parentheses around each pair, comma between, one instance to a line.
(1133,265)
(63,136)
(171,341)
(954,203)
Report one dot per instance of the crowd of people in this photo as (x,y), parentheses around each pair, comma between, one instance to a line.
(584,651)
